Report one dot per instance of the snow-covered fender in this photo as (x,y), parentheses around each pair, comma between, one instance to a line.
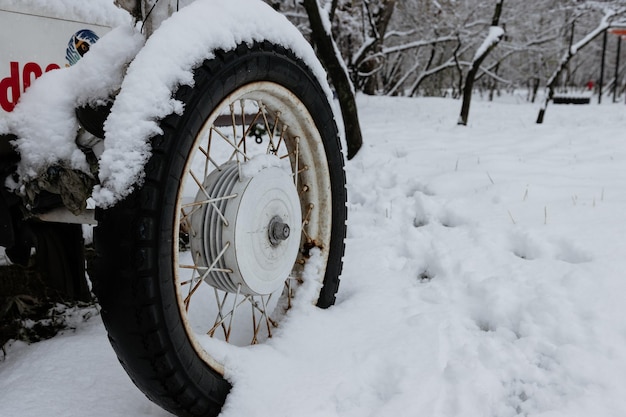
(39,37)
(43,42)
(180,44)
(45,123)
(144,77)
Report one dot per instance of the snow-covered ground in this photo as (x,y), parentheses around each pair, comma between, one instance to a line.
(484,276)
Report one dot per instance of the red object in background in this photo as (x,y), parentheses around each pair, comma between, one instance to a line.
(590,85)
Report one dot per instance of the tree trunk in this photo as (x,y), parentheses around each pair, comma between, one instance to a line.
(616,74)
(492,40)
(332,61)
(493,85)
(602,61)
(535,88)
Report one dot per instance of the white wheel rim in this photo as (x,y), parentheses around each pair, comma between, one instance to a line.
(238,289)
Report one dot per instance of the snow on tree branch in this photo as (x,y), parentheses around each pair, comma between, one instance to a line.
(610,14)
(417,44)
(493,37)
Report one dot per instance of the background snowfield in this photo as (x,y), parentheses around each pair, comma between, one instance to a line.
(483,276)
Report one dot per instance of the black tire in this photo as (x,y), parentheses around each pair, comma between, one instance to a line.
(136,278)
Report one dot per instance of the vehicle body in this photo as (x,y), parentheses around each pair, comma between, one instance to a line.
(220,180)
(54,44)
(36,44)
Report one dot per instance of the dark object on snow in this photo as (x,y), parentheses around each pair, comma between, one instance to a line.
(570,100)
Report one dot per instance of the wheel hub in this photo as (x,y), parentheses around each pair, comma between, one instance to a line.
(278,231)
(247,238)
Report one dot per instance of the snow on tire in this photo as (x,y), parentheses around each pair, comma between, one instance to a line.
(243,191)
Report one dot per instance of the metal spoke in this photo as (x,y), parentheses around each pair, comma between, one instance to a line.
(219,320)
(283,132)
(276,123)
(205,192)
(254,327)
(207,160)
(192,289)
(305,222)
(206,270)
(195,204)
(248,129)
(235,306)
(243,125)
(305,168)
(234,126)
(222,318)
(269,130)
(233,145)
(267,318)
(185,216)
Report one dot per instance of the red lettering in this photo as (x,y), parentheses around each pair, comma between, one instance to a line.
(12,86)
(30,69)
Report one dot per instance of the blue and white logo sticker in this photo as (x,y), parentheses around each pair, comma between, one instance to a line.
(79,45)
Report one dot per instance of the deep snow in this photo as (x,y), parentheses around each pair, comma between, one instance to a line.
(483,276)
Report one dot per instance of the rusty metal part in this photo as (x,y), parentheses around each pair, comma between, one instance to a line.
(63,215)
(74,187)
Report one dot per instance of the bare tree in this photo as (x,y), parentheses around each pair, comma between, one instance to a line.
(493,38)
(422,70)
(432,39)
(611,12)
(367,61)
(426,47)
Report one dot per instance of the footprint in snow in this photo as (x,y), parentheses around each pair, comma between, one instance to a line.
(529,247)
(427,210)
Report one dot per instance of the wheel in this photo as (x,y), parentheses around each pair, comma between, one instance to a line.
(241,215)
